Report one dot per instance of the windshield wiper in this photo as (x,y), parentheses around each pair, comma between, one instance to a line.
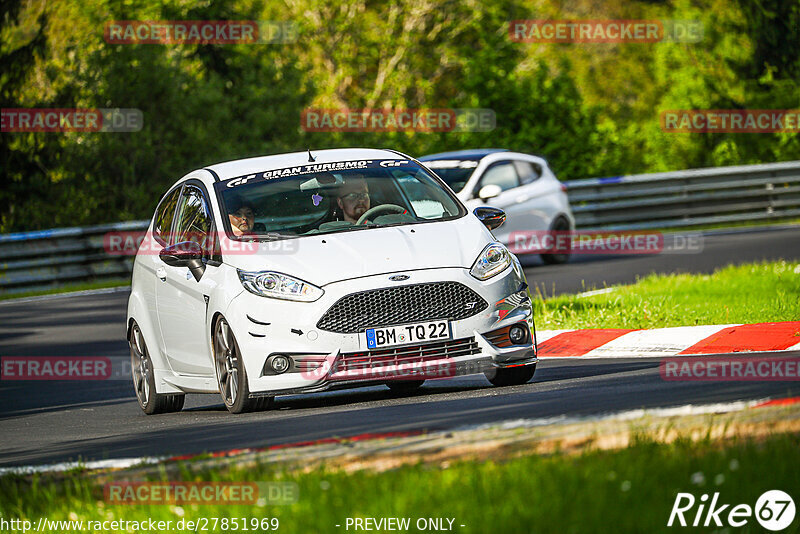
(357,227)
(268,236)
(403,223)
(350,228)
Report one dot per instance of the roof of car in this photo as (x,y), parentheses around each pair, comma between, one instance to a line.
(463,154)
(233,169)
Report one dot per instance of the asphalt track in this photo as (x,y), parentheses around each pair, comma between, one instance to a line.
(44,422)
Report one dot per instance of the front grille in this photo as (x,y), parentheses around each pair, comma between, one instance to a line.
(398,305)
(407,354)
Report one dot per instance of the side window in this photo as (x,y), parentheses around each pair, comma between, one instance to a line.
(163,216)
(194,219)
(528,172)
(502,174)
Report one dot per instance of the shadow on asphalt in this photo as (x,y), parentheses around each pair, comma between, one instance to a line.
(553,372)
(22,398)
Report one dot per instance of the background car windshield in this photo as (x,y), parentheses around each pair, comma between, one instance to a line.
(454,172)
(313,203)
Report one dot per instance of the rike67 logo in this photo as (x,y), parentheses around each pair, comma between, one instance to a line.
(774,510)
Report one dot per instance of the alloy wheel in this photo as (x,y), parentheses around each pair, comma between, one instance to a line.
(226,354)
(140,365)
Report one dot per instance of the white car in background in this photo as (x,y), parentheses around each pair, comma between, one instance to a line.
(521,185)
(311,298)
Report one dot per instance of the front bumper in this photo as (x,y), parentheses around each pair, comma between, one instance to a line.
(265,326)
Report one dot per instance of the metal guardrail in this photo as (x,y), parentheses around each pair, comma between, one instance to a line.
(696,197)
(749,193)
(49,258)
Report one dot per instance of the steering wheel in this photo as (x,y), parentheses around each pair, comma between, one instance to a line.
(388,208)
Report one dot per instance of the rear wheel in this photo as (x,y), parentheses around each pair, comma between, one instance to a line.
(150,401)
(511,376)
(231,375)
(561,225)
(404,386)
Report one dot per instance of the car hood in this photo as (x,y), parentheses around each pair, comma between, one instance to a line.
(326,258)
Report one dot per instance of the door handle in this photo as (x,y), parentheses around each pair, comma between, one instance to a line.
(162,274)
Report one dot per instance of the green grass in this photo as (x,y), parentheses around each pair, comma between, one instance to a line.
(68,288)
(779,221)
(750,293)
(627,490)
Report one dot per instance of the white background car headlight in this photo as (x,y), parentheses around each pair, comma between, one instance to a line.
(493,260)
(279,286)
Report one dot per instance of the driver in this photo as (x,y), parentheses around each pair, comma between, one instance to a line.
(353,198)
(241,215)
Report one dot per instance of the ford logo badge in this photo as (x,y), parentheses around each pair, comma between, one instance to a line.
(399,277)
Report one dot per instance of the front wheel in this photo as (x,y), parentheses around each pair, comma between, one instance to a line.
(231,375)
(511,376)
(144,383)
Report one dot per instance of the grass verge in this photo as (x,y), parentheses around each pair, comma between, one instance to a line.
(765,224)
(626,490)
(749,293)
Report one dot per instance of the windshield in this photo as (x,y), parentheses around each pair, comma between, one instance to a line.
(454,172)
(333,197)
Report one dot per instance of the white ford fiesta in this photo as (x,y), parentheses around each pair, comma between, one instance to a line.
(302,272)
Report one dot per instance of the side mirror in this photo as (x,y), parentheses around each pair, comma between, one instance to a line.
(186,254)
(490,217)
(489,191)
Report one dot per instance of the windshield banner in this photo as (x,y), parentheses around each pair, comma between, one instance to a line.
(313,168)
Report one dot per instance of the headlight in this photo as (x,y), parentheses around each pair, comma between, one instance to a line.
(493,260)
(279,286)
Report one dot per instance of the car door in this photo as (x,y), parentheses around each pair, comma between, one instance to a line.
(182,300)
(504,175)
(532,195)
(148,258)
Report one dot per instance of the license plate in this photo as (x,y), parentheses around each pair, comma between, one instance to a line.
(408,334)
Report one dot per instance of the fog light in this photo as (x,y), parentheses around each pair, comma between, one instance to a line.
(517,334)
(279,363)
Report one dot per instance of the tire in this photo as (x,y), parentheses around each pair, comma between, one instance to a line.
(404,386)
(512,376)
(561,225)
(144,379)
(230,372)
